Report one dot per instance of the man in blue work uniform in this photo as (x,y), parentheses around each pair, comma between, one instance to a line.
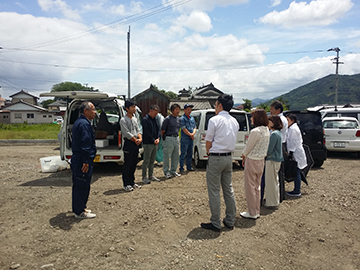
(84,150)
(188,130)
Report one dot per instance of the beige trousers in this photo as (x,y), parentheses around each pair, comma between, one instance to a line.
(272,192)
(252,178)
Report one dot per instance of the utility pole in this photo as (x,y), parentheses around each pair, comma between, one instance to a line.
(337,50)
(128,46)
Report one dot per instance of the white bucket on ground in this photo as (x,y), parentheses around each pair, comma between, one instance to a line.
(52,164)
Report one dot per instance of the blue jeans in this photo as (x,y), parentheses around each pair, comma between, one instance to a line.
(186,150)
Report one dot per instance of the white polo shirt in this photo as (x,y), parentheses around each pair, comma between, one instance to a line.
(222,132)
(284,130)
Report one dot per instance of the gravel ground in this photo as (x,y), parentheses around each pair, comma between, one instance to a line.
(157,226)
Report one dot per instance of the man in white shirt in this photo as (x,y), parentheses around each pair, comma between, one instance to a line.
(220,143)
(276,108)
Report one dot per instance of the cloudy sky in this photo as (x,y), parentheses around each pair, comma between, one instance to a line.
(248,48)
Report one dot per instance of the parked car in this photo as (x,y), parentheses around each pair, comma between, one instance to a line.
(312,131)
(202,119)
(109,140)
(58,120)
(342,134)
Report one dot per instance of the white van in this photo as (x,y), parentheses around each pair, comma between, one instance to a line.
(109,141)
(202,119)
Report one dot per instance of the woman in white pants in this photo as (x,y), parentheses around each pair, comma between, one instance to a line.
(273,162)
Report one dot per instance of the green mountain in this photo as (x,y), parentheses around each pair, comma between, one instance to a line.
(322,91)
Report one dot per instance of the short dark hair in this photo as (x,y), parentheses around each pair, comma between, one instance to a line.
(292,117)
(277,105)
(226,101)
(84,105)
(129,103)
(278,125)
(260,117)
(174,106)
(154,107)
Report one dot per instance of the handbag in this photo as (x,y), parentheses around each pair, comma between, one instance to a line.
(290,167)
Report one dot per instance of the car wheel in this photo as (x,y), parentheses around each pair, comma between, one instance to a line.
(318,163)
(198,163)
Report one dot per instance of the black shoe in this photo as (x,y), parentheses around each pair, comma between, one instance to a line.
(227,225)
(209,226)
(190,170)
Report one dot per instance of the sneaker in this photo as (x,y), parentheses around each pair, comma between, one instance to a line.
(176,174)
(247,215)
(128,188)
(168,175)
(158,164)
(154,178)
(84,215)
(146,180)
(293,194)
(136,186)
(190,169)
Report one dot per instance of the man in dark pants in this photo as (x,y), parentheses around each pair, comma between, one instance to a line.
(276,108)
(84,150)
(131,132)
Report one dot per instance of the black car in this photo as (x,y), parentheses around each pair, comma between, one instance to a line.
(312,132)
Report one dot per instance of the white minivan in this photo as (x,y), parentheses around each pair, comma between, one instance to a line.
(109,141)
(202,119)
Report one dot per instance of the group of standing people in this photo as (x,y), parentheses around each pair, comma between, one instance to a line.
(265,147)
(271,138)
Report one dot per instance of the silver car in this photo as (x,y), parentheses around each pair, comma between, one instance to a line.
(342,134)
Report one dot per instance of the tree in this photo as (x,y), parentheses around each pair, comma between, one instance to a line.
(47,102)
(285,103)
(264,106)
(71,86)
(247,105)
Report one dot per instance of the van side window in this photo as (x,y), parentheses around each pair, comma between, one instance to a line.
(241,118)
(197,120)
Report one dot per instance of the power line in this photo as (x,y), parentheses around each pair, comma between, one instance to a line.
(126,20)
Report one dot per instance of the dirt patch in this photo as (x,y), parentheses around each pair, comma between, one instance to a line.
(157,227)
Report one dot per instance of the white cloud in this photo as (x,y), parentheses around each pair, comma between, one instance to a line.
(59,6)
(205,5)
(275,3)
(119,10)
(317,12)
(198,21)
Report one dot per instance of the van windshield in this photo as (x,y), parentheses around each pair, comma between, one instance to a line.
(240,118)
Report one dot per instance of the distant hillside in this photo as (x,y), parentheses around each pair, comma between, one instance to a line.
(257,101)
(322,91)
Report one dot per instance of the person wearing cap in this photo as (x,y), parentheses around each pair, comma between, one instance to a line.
(220,143)
(170,134)
(132,136)
(188,130)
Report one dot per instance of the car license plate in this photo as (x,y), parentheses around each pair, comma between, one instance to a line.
(339,144)
(97,158)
